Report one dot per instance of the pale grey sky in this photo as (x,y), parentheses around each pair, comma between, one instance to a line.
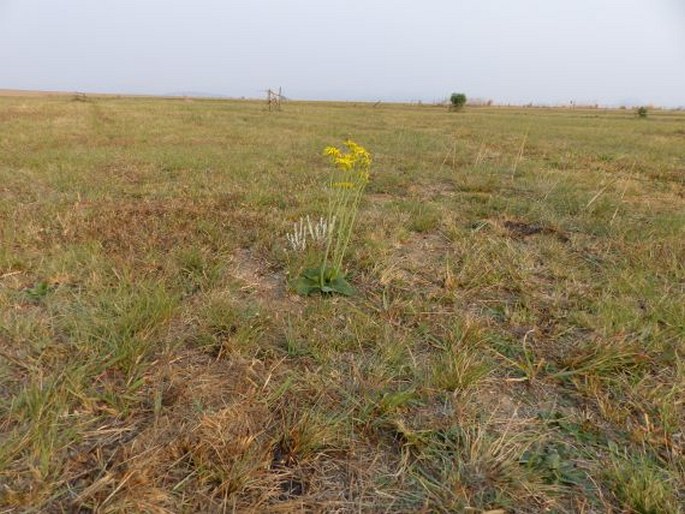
(511,51)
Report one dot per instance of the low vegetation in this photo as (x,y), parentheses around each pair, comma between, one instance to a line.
(457,101)
(515,343)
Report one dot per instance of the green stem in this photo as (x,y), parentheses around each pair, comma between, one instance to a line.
(348,235)
(335,203)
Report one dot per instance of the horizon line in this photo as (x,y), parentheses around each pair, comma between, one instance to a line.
(475,102)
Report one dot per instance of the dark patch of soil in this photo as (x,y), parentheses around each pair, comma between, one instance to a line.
(521,229)
(284,459)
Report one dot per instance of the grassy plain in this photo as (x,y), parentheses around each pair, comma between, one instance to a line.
(516,343)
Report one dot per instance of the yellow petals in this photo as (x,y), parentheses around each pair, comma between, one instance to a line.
(356,157)
(332,151)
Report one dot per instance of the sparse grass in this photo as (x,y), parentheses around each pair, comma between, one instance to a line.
(640,485)
(516,343)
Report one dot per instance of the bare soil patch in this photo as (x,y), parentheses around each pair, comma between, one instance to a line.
(521,230)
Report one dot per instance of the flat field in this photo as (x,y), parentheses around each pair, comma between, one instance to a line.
(515,345)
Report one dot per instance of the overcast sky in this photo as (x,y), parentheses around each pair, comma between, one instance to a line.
(512,51)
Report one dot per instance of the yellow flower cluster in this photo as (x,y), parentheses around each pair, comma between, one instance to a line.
(355,158)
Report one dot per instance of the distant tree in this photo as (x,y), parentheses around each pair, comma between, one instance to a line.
(641,112)
(457,101)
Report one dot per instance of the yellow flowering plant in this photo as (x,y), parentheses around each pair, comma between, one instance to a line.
(350,172)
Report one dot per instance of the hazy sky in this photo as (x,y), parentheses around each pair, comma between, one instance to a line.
(518,51)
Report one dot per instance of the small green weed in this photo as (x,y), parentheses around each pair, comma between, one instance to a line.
(38,291)
(554,462)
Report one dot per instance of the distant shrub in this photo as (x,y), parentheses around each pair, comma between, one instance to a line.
(457,101)
(641,112)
